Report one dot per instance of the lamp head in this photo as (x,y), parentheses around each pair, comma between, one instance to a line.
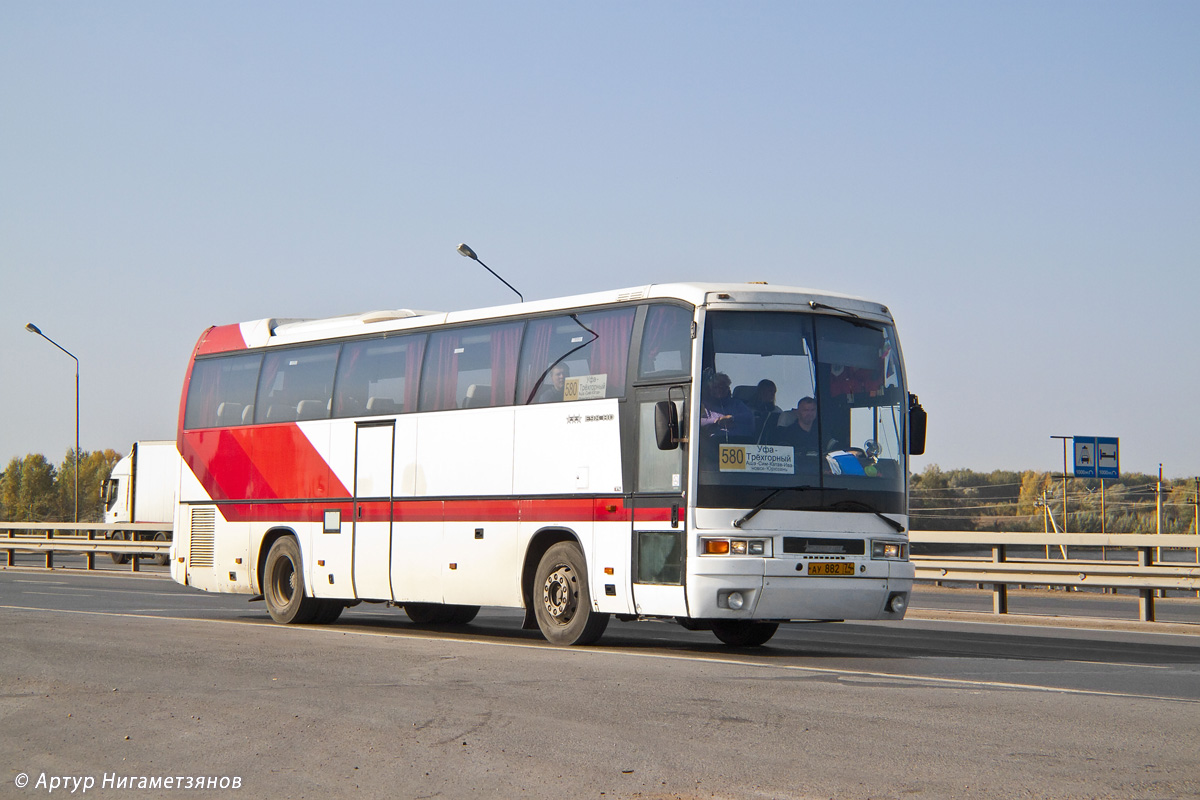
(29,326)
(467,252)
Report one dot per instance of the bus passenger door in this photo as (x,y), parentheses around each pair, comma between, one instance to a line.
(372,527)
(659,513)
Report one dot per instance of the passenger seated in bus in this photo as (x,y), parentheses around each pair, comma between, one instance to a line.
(721,414)
(798,428)
(763,402)
(551,390)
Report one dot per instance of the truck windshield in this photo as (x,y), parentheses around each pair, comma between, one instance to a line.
(797,400)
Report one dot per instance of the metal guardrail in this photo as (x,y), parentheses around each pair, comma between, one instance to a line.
(1136,563)
(88,538)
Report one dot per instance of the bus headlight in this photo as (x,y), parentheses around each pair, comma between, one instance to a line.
(735,547)
(736,601)
(889,550)
(897,603)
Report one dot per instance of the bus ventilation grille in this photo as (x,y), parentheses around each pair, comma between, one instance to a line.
(203,537)
(812,546)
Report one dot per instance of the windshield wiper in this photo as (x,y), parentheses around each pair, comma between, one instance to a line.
(737,523)
(854,319)
(896,526)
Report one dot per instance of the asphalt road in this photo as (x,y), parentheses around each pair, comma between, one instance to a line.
(136,677)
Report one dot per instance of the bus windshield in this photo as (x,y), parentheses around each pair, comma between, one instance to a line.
(801,401)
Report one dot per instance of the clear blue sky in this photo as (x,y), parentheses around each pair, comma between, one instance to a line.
(1018,182)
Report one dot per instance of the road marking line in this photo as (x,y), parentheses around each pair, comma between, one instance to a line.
(951,682)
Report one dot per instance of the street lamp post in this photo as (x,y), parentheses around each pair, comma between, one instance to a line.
(34,329)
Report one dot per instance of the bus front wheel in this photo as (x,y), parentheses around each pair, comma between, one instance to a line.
(743,633)
(562,602)
(284,586)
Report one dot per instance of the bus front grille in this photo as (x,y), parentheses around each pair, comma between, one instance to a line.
(826,547)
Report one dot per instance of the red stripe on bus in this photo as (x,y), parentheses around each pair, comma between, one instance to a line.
(483,510)
(259,463)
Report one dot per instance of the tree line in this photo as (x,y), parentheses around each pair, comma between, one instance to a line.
(965,500)
(34,490)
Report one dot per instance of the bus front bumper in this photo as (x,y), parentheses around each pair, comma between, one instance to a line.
(877,593)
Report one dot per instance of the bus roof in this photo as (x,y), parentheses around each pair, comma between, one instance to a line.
(275,331)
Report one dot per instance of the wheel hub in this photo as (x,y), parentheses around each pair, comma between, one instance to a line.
(558,594)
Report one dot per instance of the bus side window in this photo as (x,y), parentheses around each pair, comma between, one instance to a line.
(576,357)
(666,342)
(296,384)
(484,357)
(378,376)
(223,381)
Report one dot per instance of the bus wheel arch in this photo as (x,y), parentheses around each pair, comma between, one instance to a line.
(542,541)
(287,599)
(264,549)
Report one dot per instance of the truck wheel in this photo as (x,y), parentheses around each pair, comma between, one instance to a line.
(562,602)
(743,633)
(284,585)
(119,558)
(161,559)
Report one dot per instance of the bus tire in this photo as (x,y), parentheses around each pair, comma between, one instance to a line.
(424,613)
(119,558)
(743,633)
(328,611)
(460,615)
(161,559)
(562,602)
(283,588)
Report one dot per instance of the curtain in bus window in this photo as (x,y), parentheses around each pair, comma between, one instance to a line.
(610,351)
(536,357)
(439,381)
(506,345)
(350,395)
(412,371)
(666,342)
(377,376)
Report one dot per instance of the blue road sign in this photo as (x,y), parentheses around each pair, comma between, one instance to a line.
(1097,457)
(1108,459)
(1085,456)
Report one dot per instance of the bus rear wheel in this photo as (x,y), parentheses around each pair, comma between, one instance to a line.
(284,585)
(328,611)
(562,602)
(743,633)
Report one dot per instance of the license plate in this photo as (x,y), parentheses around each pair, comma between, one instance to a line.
(831,568)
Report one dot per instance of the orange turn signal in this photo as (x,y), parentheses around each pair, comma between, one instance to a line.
(716,547)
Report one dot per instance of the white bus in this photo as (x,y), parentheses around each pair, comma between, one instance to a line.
(619,453)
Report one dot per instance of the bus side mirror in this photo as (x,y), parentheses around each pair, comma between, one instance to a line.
(916,426)
(666,425)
